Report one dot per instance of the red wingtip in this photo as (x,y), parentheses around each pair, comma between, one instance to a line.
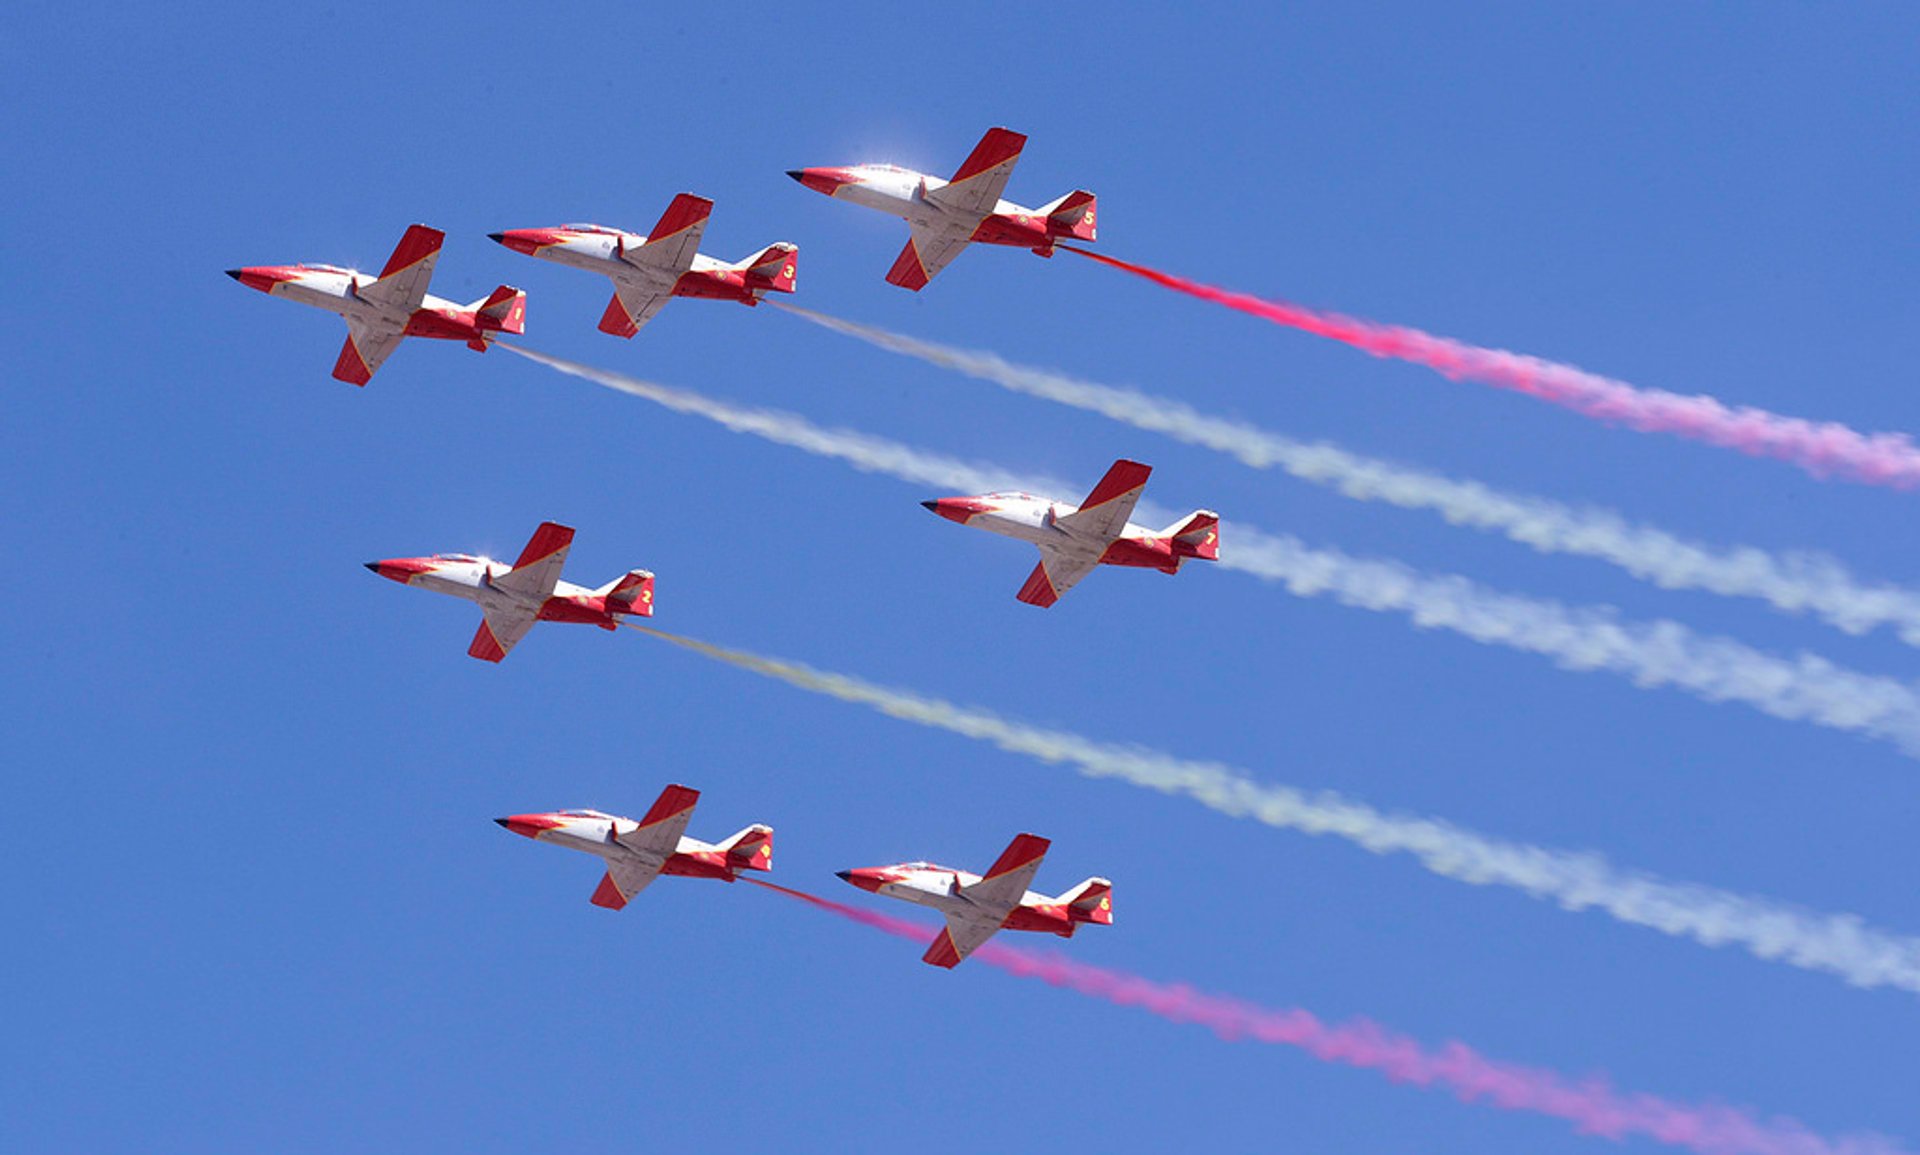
(998,146)
(942,953)
(907,271)
(549,539)
(1122,477)
(673,800)
(1024,850)
(1039,591)
(350,366)
(420,243)
(608,895)
(685,212)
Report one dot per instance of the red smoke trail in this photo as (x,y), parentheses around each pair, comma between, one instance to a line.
(1592,1104)
(1824,449)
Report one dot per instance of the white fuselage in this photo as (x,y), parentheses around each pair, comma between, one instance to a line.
(941,887)
(902,193)
(597,249)
(334,289)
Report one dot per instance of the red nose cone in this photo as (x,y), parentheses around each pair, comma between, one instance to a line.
(957,508)
(866,878)
(400,569)
(261,277)
(528,241)
(528,825)
(823,180)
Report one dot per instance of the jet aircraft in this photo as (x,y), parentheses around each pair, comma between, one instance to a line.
(647,271)
(636,853)
(948,215)
(381,310)
(513,597)
(976,907)
(1074,540)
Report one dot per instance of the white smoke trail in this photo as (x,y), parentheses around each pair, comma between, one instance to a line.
(1795,582)
(1658,653)
(1836,944)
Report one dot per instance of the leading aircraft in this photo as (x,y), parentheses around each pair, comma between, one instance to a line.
(978,906)
(1072,540)
(649,271)
(380,311)
(948,215)
(513,597)
(636,853)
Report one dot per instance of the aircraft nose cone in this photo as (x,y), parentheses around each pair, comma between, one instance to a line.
(796,174)
(373,565)
(234,273)
(930,506)
(957,509)
(497,238)
(527,825)
(822,180)
(842,875)
(864,879)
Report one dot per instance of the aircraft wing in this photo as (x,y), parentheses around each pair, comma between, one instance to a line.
(632,306)
(670,247)
(981,178)
(658,834)
(1006,881)
(1105,511)
(930,249)
(1059,571)
(623,880)
(403,282)
(961,936)
(538,570)
(367,346)
(500,631)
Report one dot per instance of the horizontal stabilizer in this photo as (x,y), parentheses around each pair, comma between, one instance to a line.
(751,849)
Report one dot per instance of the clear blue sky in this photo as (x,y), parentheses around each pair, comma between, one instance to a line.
(254,900)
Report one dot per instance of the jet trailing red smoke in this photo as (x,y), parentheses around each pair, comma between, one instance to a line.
(1592,1104)
(1823,449)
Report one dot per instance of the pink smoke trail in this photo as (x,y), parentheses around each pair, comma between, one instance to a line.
(1592,1104)
(1824,449)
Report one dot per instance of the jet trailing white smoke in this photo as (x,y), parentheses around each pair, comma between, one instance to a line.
(1798,582)
(1836,944)
(1659,653)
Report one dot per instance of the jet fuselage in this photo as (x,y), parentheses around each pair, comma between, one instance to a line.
(593,832)
(598,249)
(470,577)
(334,289)
(1036,520)
(902,193)
(941,887)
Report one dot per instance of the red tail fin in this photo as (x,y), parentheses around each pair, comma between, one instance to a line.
(775,268)
(1071,216)
(1091,901)
(632,594)
(751,849)
(1198,536)
(504,312)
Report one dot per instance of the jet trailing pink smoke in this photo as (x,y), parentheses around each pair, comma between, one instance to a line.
(1591,1104)
(1824,449)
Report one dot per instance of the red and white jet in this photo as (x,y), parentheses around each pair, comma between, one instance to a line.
(976,907)
(639,852)
(1072,540)
(948,215)
(666,263)
(513,597)
(379,311)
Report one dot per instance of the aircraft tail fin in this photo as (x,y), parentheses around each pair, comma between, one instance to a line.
(751,849)
(503,312)
(1091,901)
(1197,536)
(631,593)
(774,268)
(1071,216)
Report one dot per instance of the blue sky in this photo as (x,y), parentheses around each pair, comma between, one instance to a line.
(254,897)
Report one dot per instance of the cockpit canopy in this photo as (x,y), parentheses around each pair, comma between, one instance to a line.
(583,814)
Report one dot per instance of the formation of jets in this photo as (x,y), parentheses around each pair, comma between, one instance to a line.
(943,216)
(976,906)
